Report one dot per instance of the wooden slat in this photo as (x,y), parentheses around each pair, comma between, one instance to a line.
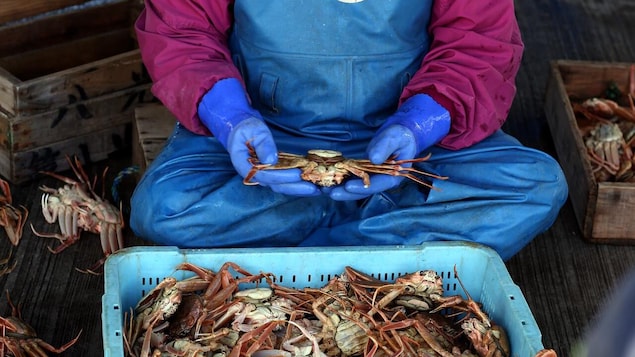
(80,83)
(568,144)
(8,88)
(48,30)
(585,79)
(614,213)
(22,167)
(29,134)
(97,145)
(5,133)
(76,119)
(17,9)
(44,61)
(153,124)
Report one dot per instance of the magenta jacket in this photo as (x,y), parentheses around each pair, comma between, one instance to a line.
(470,68)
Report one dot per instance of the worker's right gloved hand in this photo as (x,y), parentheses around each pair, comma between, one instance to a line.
(419,123)
(227,114)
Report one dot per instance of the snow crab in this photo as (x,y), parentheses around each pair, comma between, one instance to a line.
(607,127)
(607,108)
(328,168)
(20,339)
(603,132)
(608,149)
(11,218)
(77,208)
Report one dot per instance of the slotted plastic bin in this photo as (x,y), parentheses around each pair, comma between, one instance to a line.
(132,272)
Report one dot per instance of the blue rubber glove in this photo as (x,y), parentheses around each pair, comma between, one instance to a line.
(419,123)
(227,114)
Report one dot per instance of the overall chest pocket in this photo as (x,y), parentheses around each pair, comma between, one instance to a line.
(341,97)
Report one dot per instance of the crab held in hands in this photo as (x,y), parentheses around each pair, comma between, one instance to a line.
(328,168)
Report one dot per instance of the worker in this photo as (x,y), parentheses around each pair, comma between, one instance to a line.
(371,79)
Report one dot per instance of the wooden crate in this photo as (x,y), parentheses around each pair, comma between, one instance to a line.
(62,59)
(64,78)
(152,126)
(603,209)
(12,10)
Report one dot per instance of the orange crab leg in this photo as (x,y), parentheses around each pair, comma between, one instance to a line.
(393,167)
(6,191)
(408,174)
(11,218)
(8,268)
(13,221)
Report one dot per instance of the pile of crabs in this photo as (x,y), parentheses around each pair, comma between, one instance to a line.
(76,208)
(607,126)
(353,314)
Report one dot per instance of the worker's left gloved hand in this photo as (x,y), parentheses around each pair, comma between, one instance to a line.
(419,123)
(226,112)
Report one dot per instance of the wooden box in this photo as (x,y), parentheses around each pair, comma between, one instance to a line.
(69,84)
(604,210)
(152,126)
(12,10)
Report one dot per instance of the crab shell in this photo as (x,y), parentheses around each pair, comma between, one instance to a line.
(327,168)
(604,144)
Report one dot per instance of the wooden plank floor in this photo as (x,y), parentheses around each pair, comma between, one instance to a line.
(565,280)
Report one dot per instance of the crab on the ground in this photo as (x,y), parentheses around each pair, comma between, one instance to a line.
(20,339)
(11,217)
(77,208)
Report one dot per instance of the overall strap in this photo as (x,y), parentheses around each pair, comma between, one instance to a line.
(328,69)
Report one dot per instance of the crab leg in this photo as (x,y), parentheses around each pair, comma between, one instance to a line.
(11,218)
(6,262)
(406,172)
(77,208)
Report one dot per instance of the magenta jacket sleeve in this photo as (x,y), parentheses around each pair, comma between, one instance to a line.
(184,47)
(471,66)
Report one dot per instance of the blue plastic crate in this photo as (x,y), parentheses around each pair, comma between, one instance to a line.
(132,272)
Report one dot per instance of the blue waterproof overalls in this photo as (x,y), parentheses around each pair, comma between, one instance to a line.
(326,75)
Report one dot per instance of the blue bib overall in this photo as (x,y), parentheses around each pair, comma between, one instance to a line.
(325,74)
(328,71)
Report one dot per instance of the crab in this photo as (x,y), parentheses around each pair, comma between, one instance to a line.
(19,338)
(608,149)
(76,207)
(606,128)
(607,108)
(328,168)
(604,143)
(11,218)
